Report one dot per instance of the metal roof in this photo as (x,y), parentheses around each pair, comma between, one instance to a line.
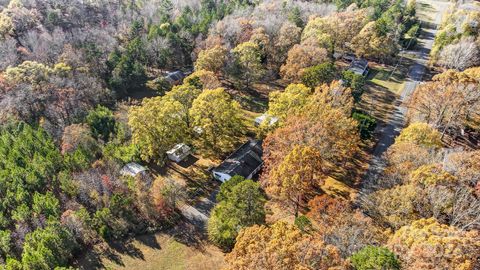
(244,161)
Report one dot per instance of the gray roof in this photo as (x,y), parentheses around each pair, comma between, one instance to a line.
(132,169)
(358,66)
(244,161)
(175,76)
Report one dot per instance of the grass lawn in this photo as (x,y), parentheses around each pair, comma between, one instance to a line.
(168,254)
(383,76)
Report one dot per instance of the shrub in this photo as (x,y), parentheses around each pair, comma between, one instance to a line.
(366,124)
(375,258)
(318,75)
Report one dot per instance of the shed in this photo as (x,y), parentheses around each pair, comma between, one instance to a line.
(179,152)
(262,118)
(133,169)
(359,66)
(246,161)
(175,77)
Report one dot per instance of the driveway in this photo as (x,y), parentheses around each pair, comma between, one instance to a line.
(396,122)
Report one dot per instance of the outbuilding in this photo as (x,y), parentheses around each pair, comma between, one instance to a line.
(359,66)
(272,120)
(133,169)
(179,152)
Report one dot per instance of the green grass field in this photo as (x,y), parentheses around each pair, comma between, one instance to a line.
(384,77)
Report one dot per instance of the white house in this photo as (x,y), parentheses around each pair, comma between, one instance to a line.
(246,161)
(179,152)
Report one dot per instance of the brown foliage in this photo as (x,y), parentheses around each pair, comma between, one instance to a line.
(283,247)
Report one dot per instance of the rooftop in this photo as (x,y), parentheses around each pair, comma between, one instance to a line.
(244,160)
(358,66)
(132,169)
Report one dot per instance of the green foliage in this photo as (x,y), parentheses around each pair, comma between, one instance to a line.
(47,248)
(123,153)
(159,85)
(303,223)
(226,187)
(102,123)
(127,67)
(295,17)
(5,244)
(366,124)
(248,66)
(29,164)
(375,258)
(354,81)
(46,205)
(78,160)
(243,207)
(319,74)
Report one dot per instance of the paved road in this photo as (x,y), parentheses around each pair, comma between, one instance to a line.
(392,128)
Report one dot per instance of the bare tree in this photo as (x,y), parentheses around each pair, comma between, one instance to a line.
(461,55)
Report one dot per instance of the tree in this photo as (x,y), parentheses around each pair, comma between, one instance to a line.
(354,81)
(375,258)
(203,79)
(401,159)
(449,102)
(432,174)
(288,36)
(157,125)
(330,131)
(340,27)
(102,123)
(420,134)
(288,102)
(281,246)
(248,63)
(460,56)
(243,208)
(318,75)
(47,248)
(212,59)
(300,57)
(184,95)
(336,222)
(427,244)
(333,95)
(217,115)
(226,188)
(297,177)
(370,43)
(397,206)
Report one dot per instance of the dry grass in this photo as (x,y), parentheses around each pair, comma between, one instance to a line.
(163,252)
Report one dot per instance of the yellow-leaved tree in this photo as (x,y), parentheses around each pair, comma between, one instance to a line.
(297,178)
(217,118)
(288,102)
(157,125)
(427,244)
(282,247)
(212,59)
(420,133)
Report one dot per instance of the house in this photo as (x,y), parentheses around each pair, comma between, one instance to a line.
(133,169)
(175,77)
(359,66)
(179,152)
(262,118)
(245,161)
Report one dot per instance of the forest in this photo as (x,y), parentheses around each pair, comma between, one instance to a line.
(368,114)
